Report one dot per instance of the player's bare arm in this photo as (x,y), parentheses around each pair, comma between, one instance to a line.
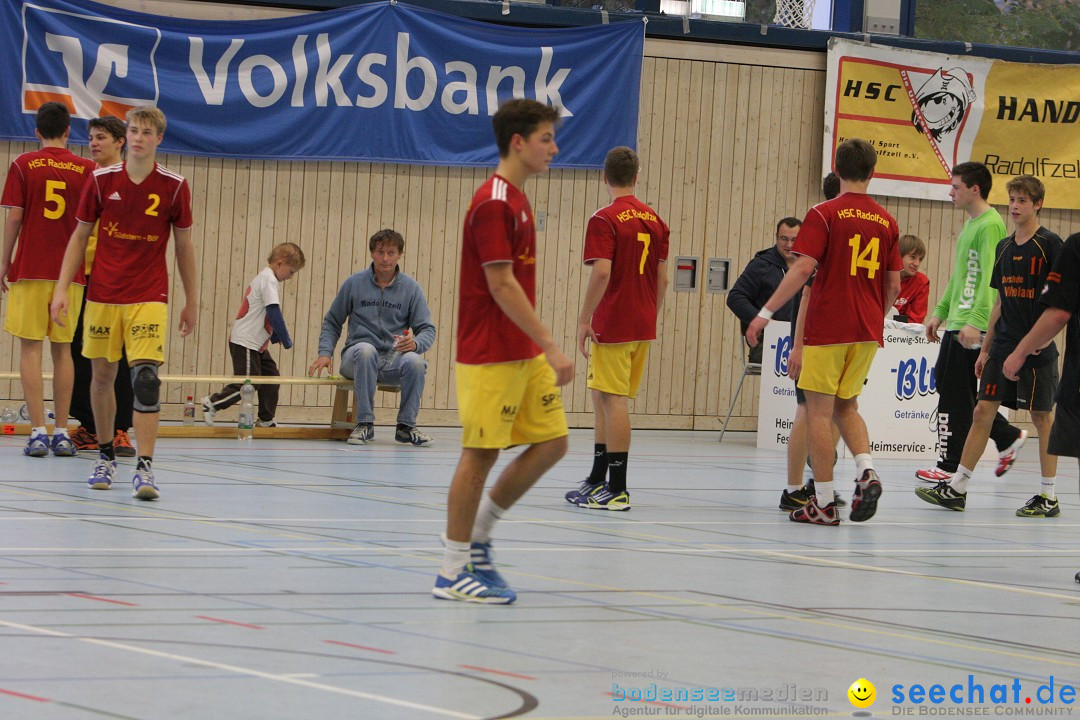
(512,300)
(12,226)
(74,257)
(599,277)
(185,263)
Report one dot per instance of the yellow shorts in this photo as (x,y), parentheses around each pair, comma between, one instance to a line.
(616,368)
(838,370)
(108,330)
(511,403)
(28,311)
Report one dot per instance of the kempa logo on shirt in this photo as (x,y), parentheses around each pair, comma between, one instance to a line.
(115,195)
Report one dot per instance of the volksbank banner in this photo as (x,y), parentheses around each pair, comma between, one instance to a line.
(927,112)
(382,82)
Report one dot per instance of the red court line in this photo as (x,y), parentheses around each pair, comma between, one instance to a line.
(229,622)
(360,647)
(496,672)
(102,599)
(35,698)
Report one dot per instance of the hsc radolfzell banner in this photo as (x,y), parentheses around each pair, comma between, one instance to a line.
(380,83)
(927,112)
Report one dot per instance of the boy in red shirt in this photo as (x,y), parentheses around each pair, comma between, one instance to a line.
(41,194)
(509,368)
(136,204)
(626,244)
(853,243)
(914,286)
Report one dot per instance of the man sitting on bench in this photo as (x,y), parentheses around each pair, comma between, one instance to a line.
(389,329)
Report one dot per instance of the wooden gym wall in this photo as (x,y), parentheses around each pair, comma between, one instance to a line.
(730,139)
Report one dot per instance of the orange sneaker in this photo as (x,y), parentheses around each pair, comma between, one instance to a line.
(83,439)
(122,444)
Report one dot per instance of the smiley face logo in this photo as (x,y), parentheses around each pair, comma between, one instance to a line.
(862,693)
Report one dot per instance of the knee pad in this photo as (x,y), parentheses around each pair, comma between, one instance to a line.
(146,387)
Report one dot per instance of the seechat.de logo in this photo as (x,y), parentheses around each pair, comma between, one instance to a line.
(783,351)
(75,59)
(914,376)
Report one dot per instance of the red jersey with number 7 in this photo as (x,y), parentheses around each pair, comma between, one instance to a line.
(46,184)
(855,242)
(634,238)
(134,222)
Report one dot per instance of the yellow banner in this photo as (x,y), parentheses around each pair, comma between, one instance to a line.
(927,112)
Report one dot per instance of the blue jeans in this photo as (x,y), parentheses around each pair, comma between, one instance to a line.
(368,368)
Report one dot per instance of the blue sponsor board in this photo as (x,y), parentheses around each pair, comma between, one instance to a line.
(382,82)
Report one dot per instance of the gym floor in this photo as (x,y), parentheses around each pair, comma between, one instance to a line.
(291,579)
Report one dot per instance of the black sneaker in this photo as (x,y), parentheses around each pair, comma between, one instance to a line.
(943,494)
(867,492)
(362,434)
(412,436)
(840,502)
(795,499)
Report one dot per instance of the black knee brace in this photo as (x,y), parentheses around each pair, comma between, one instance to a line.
(146,387)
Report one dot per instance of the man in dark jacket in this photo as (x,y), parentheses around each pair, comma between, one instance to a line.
(760,278)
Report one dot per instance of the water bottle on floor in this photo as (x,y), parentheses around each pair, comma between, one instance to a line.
(245,426)
(189,410)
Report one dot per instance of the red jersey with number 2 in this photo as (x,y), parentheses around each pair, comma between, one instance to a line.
(634,238)
(134,221)
(855,242)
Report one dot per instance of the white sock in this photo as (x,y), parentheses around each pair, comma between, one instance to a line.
(863,463)
(825,493)
(454,559)
(62,431)
(486,516)
(37,431)
(1048,487)
(960,479)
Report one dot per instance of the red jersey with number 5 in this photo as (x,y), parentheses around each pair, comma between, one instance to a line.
(47,185)
(634,238)
(855,242)
(134,222)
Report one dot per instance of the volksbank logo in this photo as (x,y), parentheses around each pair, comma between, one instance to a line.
(67,58)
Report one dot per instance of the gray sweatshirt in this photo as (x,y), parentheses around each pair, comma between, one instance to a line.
(376,314)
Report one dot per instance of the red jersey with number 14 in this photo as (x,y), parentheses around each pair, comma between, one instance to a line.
(634,238)
(855,242)
(47,185)
(134,222)
(499,228)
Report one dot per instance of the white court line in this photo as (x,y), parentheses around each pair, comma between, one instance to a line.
(340,547)
(606,522)
(289,679)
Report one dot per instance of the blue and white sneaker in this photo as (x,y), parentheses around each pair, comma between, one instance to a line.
(584,490)
(103,475)
(63,447)
(468,586)
(480,559)
(605,499)
(143,487)
(37,446)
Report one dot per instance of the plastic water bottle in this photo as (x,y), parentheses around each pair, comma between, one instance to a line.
(189,411)
(245,426)
(9,416)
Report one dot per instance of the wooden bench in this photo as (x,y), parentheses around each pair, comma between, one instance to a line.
(341,417)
